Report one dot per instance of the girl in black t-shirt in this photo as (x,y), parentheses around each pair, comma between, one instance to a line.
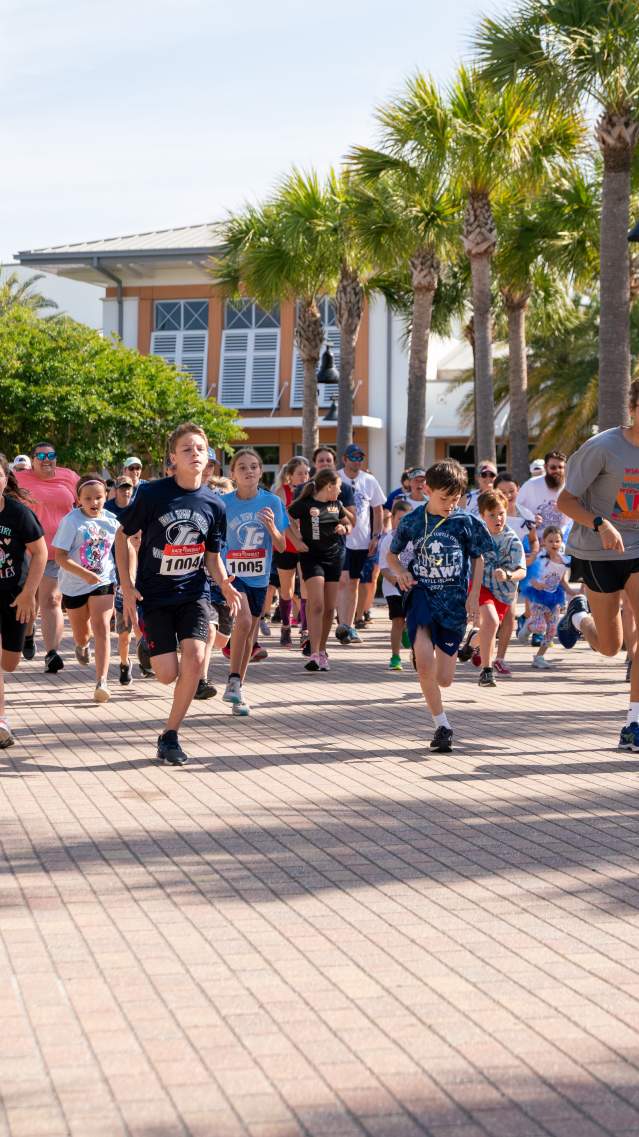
(322,520)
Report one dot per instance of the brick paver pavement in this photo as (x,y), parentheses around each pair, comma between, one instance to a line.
(316,927)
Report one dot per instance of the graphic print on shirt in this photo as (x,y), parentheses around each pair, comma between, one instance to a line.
(626,507)
(95,546)
(247,541)
(7,567)
(183,550)
(439,561)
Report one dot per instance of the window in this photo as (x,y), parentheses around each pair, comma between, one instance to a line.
(326,391)
(250,355)
(270,456)
(180,335)
(466,456)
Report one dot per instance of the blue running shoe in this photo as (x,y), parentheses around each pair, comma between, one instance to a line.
(567,634)
(629,737)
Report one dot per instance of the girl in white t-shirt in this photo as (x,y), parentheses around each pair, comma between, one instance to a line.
(390,591)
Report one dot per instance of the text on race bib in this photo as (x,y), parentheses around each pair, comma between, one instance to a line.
(178,560)
(246,562)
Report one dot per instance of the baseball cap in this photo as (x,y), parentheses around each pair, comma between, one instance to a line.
(123,482)
(354,453)
(130,462)
(417,472)
(21,462)
(537,466)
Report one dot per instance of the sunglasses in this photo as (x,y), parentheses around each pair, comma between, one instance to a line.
(42,455)
(134,467)
(488,473)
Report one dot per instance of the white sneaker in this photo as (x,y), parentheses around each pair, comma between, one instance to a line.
(83,654)
(540,663)
(101,693)
(523,635)
(241,709)
(6,736)
(233,692)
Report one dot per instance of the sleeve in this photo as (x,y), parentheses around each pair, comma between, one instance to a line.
(384,547)
(65,533)
(216,535)
(348,497)
(296,509)
(402,536)
(343,516)
(584,466)
(377,494)
(134,517)
(281,516)
(31,528)
(524,499)
(517,557)
(480,540)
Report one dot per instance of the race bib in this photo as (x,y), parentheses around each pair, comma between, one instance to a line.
(246,562)
(178,560)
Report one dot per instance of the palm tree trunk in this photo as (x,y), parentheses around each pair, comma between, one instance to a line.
(516,305)
(309,337)
(614,317)
(310,425)
(482,321)
(425,275)
(349,306)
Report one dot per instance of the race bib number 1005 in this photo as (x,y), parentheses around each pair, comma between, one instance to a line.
(178,560)
(246,562)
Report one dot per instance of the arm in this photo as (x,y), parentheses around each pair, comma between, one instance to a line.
(217,571)
(570,505)
(397,573)
(510,574)
(25,602)
(126,560)
(378,521)
(292,534)
(472,602)
(65,562)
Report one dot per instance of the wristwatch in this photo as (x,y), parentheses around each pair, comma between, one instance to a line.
(597,521)
(509,575)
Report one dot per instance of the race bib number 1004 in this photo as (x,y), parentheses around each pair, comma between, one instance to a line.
(178,560)
(246,562)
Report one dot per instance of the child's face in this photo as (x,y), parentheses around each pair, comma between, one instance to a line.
(553,543)
(191,455)
(247,472)
(332,490)
(397,516)
(91,499)
(509,490)
(299,476)
(442,502)
(495,519)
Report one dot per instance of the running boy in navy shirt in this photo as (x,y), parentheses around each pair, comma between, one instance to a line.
(441,584)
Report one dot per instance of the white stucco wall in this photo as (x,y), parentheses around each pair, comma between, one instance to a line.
(130,319)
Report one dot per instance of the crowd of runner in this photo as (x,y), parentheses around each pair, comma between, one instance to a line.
(192,562)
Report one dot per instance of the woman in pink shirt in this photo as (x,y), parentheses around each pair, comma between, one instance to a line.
(52,489)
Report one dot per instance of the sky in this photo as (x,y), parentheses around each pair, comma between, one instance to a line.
(122,116)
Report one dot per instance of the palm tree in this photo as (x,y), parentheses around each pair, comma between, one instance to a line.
(21,293)
(587,50)
(286,249)
(498,141)
(406,215)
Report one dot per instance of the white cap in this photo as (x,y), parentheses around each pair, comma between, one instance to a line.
(21,462)
(130,462)
(537,466)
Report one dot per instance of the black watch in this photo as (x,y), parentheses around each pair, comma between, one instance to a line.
(597,521)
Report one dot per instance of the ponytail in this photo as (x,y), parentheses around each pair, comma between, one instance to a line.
(325,477)
(308,490)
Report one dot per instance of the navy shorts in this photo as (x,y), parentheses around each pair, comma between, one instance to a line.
(165,628)
(355,561)
(366,575)
(255,596)
(419,614)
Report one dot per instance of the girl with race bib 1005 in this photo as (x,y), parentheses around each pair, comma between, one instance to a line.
(256,523)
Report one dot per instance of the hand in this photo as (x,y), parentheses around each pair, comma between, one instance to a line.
(231,595)
(341,529)
(500,574)
(472,607)
(26,606)
(610,537)
(372,546)
(538,520)
(130,596)
(405,580)
(268,517)
(301,547)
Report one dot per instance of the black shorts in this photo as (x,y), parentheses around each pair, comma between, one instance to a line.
(255,596)
(354,563)
(395,607)
(286,560)
(165,627)
(12,632)
(603,576)
(71,602)
(312,564)
(221,615)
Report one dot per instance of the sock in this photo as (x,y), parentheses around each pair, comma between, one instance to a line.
(633,714)
(285,610)
(303,615)
(441,720)
(169,736)
(578,619)
(234,675)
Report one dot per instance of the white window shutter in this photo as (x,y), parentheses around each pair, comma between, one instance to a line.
(326,392)
(193,356)
(264,368)
(166,345)
(235,345)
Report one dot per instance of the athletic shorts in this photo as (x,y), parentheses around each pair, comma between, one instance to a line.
(51,569)
(354,562)
(312,565)
(604,576)
(395,607)
(221,615)
(366,575)
(71,602)
(286,560)
(255,596)
(486,597)
(419,614)
(165,627)
(12,632)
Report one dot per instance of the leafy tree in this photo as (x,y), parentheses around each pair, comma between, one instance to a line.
(21,293)
(97,399)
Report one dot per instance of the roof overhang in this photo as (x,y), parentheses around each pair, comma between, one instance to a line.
(127,265)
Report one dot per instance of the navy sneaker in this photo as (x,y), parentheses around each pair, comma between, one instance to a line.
(629,737)
(567,634)
(169,749)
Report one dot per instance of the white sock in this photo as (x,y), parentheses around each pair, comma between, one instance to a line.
(441,720)
(633,713)
(578,619)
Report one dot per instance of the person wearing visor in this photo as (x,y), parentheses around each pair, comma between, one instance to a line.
(52,490)
(21,462)
(362,540)
(486,474)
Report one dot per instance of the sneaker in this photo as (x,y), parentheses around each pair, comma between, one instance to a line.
(169,750)
(360,623)
(567,634)
(323,661)
(101,693)
(353,637)
(285,636)
(313,662)
(241,709)
(126,674)
(205,690)
(144,659)
(265,626)
(368,615)
(466,652)
(341,633)
(259,653)
(502,668)
(395,663)
(28,647)
(53,662)
(233,692)
(540,663)
(83,654)
(306,647)
(475,658)
(523,635)
(628,739)
(536,640)
(226,651)
(405,638)
(487,678)
(442,740)
(6,736)
(628,671)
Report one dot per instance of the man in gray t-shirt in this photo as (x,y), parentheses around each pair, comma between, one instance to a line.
(604,476)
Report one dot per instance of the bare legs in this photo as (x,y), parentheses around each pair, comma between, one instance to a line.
(94,615)
(435,670)
(51,617)
(187,673)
